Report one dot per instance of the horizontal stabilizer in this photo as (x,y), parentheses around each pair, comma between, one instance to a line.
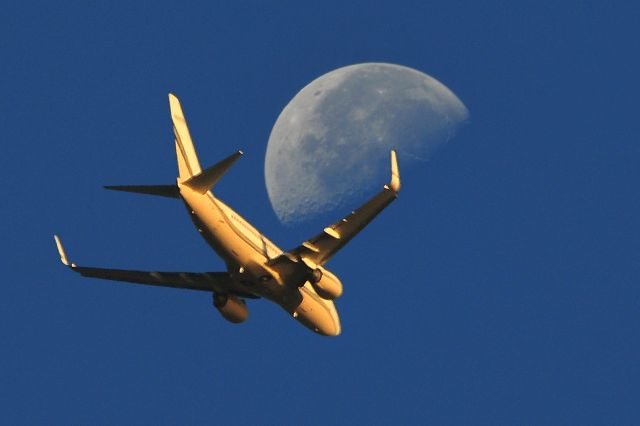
(206,180)
(170,191)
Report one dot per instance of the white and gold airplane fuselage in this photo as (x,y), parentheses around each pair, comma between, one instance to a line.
(239,243)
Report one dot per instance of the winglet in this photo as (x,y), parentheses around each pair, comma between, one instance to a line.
(63,255)
(395,173)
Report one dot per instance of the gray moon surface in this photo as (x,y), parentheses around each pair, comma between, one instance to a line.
(332,141)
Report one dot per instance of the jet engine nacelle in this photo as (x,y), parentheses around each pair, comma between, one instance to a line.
(327,285)
(232,308)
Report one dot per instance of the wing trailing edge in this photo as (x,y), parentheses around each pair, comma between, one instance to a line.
(216,282)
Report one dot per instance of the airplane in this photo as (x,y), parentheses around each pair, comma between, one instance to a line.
(256,268)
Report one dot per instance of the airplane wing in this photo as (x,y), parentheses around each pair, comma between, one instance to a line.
(218,282)
(319,249)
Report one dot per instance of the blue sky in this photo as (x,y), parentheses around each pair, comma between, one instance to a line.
(501,288)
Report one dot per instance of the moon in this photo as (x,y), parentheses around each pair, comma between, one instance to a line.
(332,141)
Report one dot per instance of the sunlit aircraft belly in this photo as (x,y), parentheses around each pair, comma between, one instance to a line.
(213,221)
(240,244)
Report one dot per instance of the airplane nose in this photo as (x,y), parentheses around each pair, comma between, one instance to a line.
(317,314)
(329,329)
(335,331)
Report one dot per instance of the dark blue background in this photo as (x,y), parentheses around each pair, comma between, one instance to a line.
(501,288)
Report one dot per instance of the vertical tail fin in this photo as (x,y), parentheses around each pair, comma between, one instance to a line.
(188,164)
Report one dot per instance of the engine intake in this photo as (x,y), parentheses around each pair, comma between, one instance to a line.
(327,285)
(232,308)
